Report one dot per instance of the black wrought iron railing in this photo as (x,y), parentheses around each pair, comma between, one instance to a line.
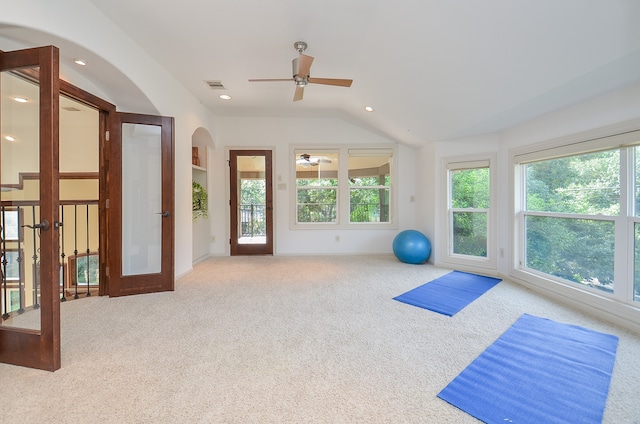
(317,212)
(359,212)
(20,254)
(369,212)
(253,220)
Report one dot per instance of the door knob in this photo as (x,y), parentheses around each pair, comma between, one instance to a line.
(164,214)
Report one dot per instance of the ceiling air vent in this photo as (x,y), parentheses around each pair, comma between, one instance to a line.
(217,85)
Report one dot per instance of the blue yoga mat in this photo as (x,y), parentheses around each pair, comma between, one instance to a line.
(450,293)
(538,371)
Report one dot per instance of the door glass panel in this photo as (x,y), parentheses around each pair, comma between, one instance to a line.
(141,199)
(253,199)
(20,199)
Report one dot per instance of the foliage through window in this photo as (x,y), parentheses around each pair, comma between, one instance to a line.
(579,248)
(580,212)
(361,178)
(253,194)
(316,186)
(369,185)
(469,204)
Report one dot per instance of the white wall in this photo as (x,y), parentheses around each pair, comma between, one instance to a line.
(280,134)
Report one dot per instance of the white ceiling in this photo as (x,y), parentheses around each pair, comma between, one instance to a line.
(432,69)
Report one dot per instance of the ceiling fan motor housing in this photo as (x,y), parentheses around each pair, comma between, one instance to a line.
(295,66)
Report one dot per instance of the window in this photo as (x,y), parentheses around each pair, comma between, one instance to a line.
(361,178)
(469,209)
(316,186)
(468,214)
(369,185)
(578,215)
(570,205)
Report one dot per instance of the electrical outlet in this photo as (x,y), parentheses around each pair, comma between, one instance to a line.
(502,252)
(337,238)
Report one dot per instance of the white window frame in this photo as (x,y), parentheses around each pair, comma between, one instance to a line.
(601,140)
(294,156)
(343,197)
(372,152)
(446,255)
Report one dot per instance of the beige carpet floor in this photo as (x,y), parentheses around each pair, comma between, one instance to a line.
(282,340)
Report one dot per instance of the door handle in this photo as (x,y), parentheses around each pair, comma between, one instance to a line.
(164,214)
(44,225)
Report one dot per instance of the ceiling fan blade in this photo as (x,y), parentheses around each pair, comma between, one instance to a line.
(270,79)
(298,94)
(304,65)
(331,81)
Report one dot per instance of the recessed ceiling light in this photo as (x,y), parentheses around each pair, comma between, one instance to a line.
(225,97)
(20,99)
(368,108)
(9,138)
(80,62)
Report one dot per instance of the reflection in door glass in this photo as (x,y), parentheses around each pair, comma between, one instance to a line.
(20,199)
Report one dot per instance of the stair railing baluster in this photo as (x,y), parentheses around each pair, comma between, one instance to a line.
(75,248)
(6,314)
(64,286)
(36,305)
(88,251)
(21,281)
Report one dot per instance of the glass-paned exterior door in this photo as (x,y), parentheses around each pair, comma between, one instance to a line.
(251,202)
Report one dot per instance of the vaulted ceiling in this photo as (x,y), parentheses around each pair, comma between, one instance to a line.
(431,69)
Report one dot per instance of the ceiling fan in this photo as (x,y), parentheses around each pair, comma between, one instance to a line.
(301,66)
(307,160)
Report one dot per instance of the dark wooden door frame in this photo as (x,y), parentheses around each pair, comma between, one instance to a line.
(250,249)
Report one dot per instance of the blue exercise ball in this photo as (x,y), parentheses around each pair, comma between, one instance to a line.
(412,247)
